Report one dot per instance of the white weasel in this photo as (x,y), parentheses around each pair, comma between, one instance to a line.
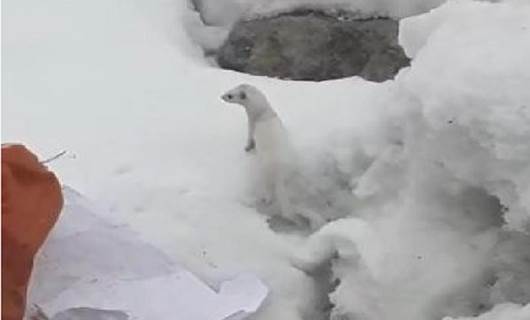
(265,129)
(268,136)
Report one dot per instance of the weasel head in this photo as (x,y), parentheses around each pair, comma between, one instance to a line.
(254,102)
(245,95)
(238,95)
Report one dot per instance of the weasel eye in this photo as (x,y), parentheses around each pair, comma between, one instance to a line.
(242,96)
(229,96)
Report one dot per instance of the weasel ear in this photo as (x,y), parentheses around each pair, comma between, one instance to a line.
(242,95)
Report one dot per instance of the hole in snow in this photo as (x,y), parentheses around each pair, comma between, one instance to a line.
(325,283)
(483,209)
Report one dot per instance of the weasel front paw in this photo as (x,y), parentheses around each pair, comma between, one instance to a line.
(250,147)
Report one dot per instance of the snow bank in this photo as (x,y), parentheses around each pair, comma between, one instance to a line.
(225,12)
(505,311)
(443,215)
(480,92)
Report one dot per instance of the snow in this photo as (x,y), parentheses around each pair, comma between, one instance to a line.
(437,160)
(436,242)
(224,12)
(504,311)
(437,231)
(493,110)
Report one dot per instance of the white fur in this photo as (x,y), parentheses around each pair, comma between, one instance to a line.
(273,146)
(274,151)
(275,158)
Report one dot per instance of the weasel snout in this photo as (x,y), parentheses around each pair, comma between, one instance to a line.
(227,97)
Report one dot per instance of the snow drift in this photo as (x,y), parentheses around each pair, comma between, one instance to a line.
(448,234)
(225,12)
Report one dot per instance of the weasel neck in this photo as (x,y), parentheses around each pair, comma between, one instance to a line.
(259,111)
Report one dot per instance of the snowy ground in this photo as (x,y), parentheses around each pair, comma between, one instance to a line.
(438,160)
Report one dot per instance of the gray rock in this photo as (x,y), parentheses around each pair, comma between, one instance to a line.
(309,45)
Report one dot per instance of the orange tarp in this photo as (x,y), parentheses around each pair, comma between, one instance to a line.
(31,202)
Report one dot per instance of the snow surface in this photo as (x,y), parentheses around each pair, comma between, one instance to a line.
(223,12)
(438,160)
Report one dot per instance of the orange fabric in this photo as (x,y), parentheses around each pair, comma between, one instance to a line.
(31,202)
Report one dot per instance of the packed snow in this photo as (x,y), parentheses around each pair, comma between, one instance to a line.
(223,12)
(427,176)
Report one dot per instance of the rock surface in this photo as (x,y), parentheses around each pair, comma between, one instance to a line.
(308,45)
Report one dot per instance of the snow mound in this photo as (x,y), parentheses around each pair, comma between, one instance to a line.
(502,312)
(443,215)
(225,12)
(479,54)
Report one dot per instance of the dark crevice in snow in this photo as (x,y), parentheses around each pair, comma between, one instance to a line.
(196,5)
(282,225)
(484,209)
(511,269)
(325,283)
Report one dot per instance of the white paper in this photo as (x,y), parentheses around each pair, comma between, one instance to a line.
(88,262)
